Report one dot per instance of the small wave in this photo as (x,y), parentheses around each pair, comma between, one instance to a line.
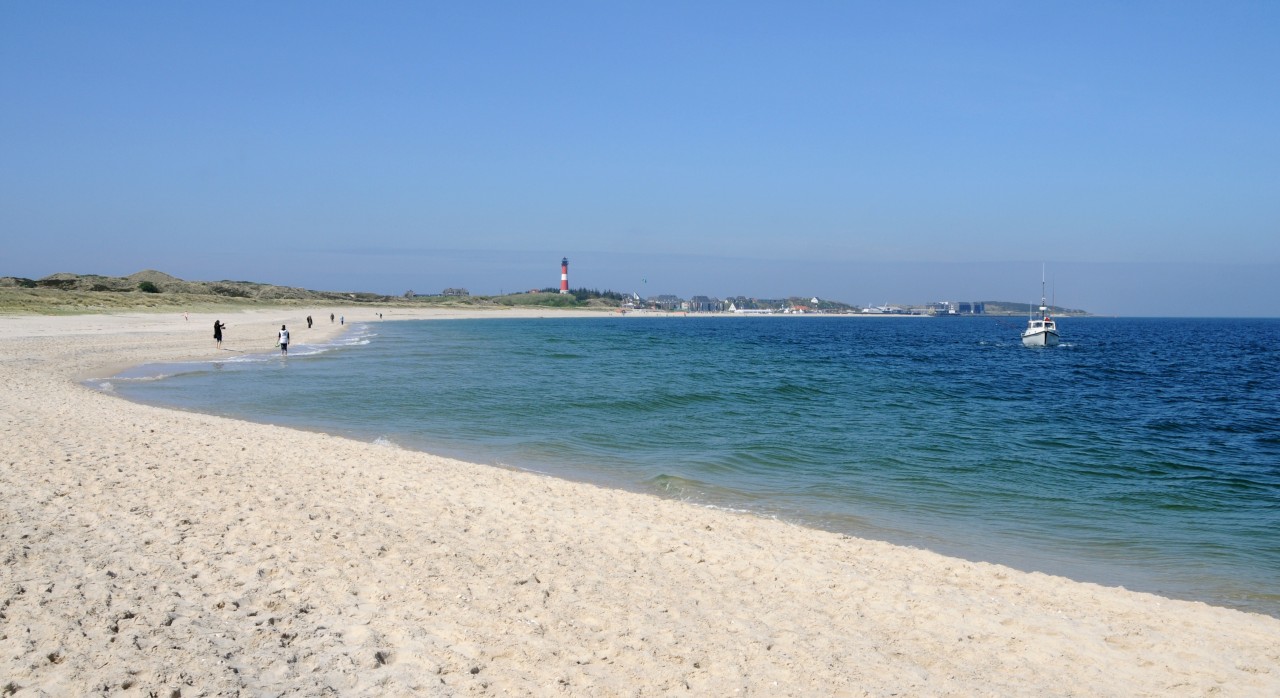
(356,337)
(676,485)
(507,466)
(737,510)
(1172,426)
(360,334)
(798,390)
(706,495)
(307,349)
(244,358)
(140,379)
(106,387)
(385,442)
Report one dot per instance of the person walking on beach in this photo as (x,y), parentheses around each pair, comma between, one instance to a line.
(284,341)
(217,332)
(330,318)
(308,322)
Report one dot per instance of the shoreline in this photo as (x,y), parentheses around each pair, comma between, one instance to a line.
(963,539)
(165,550)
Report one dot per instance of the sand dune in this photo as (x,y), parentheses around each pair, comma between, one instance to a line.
(160,552)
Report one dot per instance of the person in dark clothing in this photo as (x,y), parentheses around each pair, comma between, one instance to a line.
(217,332)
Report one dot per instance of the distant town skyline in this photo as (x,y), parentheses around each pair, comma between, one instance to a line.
(889,283)
(862,152)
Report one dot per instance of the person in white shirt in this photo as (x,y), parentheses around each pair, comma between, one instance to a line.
(284,341)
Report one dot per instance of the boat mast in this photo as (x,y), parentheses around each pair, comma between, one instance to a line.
(1043,308)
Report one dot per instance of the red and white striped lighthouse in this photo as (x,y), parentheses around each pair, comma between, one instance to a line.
(564,275)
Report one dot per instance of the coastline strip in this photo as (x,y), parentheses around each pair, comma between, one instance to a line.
(164,550)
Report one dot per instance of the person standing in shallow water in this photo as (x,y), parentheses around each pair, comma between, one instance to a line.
(284,341)
(217,332)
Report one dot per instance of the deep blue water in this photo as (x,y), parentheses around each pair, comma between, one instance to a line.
(1141,452)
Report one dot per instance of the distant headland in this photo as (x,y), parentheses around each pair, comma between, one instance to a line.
(76,293)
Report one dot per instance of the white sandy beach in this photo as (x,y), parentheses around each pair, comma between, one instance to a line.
(157,552)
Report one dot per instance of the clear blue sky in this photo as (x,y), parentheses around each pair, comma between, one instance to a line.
(864,152)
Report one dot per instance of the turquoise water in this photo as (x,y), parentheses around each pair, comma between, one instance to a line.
(1141,452)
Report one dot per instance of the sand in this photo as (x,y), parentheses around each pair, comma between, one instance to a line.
(157,552)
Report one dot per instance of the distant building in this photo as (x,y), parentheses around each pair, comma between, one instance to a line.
(666,302)
(456,292)
(952,308)
(703,304)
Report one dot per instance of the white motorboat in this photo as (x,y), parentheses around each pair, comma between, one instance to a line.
(1041,330)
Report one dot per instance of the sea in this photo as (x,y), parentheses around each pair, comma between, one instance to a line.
(1141,452)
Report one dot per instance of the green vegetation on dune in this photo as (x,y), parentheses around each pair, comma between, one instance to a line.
(66,294)
(576,298)
(542,299)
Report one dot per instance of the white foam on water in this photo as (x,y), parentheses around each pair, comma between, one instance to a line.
(358,335)
(142,379)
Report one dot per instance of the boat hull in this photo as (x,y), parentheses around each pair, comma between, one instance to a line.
(1042,338)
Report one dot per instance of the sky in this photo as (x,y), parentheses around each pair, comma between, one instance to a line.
(862,152)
